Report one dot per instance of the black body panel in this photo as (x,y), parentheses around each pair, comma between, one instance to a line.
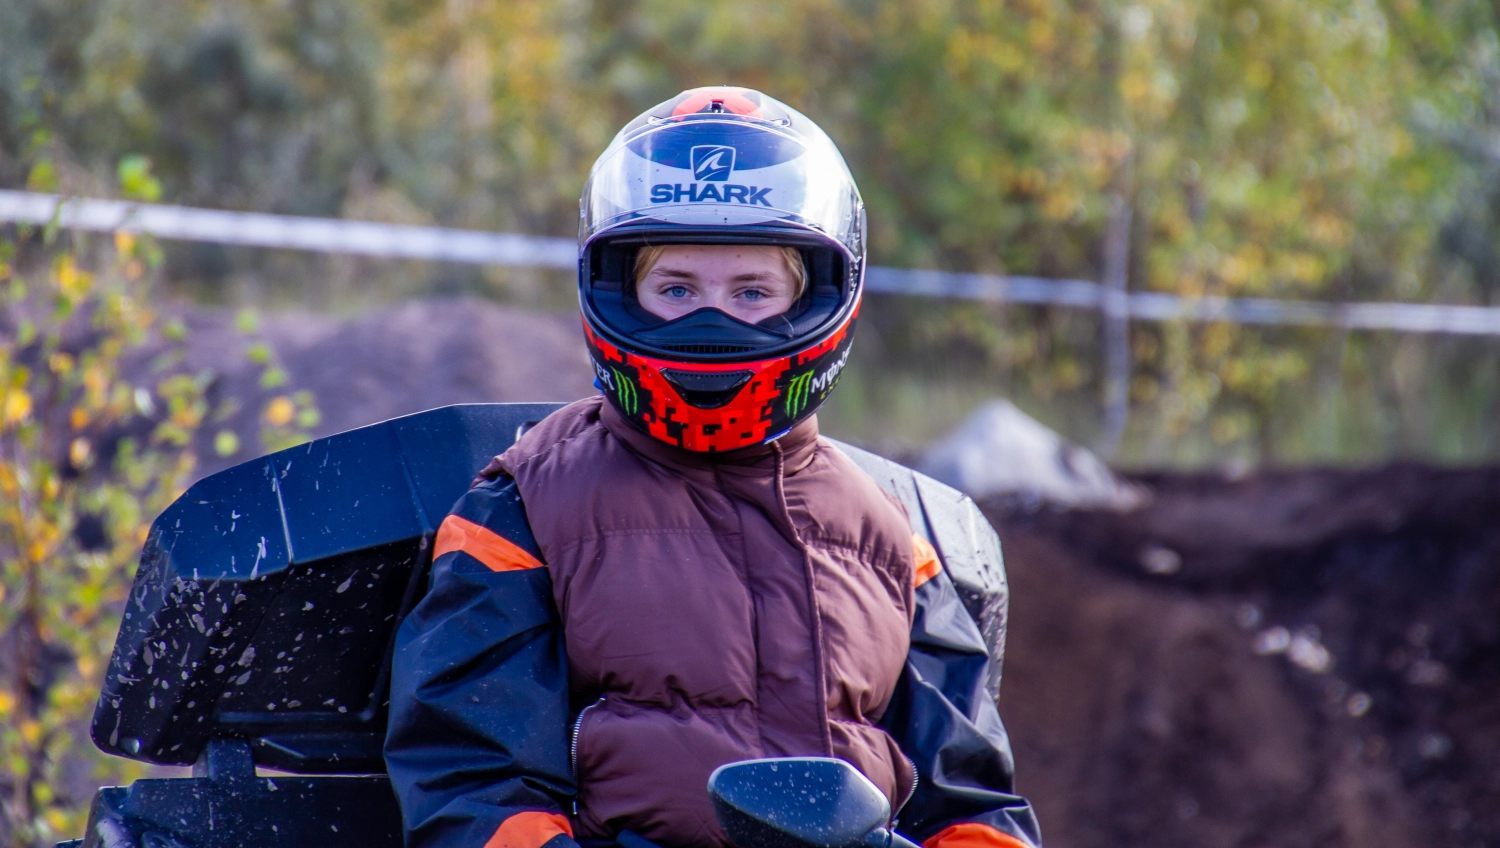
(268,594)
(225,805)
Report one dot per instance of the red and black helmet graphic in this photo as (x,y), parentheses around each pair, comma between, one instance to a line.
(720,165)
(714,408)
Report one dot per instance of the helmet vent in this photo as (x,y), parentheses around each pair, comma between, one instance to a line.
(708,348)
(707,390)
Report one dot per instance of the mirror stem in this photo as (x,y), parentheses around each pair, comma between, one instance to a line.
(899,841)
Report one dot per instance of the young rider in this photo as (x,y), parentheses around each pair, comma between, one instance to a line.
(680,574)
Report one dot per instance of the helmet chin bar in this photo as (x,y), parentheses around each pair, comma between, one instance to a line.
(715,407)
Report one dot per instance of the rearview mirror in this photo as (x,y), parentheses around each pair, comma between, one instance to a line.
(799,802)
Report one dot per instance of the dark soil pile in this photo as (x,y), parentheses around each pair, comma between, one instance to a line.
(387,362)
(1295,658)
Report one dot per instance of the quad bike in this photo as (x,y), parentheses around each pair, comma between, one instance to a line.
(259,632)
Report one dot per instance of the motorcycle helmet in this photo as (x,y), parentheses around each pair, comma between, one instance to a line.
(720,165)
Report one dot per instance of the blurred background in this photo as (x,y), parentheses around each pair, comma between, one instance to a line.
(1275,627)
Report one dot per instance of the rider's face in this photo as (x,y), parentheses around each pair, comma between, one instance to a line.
(750,282)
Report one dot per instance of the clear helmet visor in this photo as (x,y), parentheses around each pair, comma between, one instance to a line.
(735,159)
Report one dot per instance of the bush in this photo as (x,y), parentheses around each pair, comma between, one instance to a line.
(98,418)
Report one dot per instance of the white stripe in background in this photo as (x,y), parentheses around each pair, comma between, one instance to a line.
(329,235)
(1159,306)
(441,244)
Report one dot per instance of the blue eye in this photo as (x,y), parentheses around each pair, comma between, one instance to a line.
(677,291)
(754,294)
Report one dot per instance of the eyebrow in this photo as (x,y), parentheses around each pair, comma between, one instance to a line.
(679,274)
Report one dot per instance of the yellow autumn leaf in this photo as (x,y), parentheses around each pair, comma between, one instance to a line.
(226,443)
(1331,229)
(73,281)
(1062,204)
(280,410)
(17,406)
(94,379)
(58,820)
(1134,86)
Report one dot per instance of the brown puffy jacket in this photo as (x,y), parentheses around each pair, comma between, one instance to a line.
(716,608)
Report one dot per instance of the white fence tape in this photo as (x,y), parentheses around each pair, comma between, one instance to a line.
(1159,306)
(328,235)
(442,244)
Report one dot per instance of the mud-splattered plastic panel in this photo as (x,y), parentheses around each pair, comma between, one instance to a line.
(268,595)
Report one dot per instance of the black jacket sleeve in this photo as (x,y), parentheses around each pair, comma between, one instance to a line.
(944,720)
(479,690)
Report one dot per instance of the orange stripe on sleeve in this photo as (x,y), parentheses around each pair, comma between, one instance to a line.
(495,551)
(529,829)
(972,835)
(926,559)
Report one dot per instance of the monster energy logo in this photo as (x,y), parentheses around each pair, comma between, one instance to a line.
(625,391)
(802,387)
(798,391)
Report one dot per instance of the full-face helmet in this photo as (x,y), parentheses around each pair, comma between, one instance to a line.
(720,166)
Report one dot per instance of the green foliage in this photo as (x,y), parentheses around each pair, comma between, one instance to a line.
(98,419)
(1331,149)
(88,456)
(136,182)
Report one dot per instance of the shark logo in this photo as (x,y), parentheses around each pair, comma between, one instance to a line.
(712,162)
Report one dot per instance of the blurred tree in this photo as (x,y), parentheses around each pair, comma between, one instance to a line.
(264,106)
(1263,147)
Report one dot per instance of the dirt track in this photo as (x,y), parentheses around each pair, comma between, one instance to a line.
(1322,667)
(1140,710)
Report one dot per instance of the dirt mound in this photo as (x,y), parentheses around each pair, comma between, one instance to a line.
(1299,658)
(390,362)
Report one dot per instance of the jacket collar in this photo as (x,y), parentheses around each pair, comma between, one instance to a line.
(797,448)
